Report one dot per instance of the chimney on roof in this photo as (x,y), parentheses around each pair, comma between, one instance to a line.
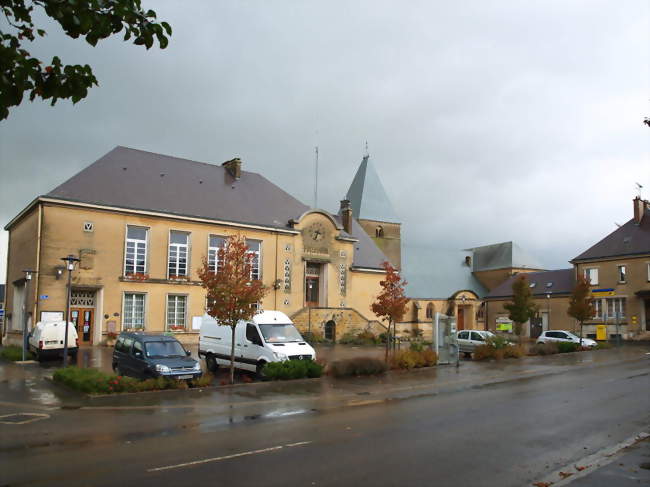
(639,208)
(233,167)
(346,215)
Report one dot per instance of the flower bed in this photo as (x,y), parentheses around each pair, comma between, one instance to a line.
(15,354)
(292,369)
(92,381)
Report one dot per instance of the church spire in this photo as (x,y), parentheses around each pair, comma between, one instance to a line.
(367,194)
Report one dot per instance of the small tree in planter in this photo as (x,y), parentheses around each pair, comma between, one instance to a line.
(522,308)
(231,291)
(581,304)
(391,301)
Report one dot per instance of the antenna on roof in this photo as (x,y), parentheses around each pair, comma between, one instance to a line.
(367,154)
(316,179)
(638,188)
(618,225)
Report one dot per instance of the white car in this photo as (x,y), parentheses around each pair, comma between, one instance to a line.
(468,340)
(47,338)
(556,336)
(270,336)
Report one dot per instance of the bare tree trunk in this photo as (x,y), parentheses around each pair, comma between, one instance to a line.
(232,355)
(387,342)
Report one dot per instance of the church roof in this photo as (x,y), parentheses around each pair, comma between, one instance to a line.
(502,256)
(438,273)
(368,197)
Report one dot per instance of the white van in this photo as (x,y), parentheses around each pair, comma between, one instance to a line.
(270,336)
(46,339)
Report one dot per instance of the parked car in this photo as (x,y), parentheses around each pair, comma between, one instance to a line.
(555,336)
(270,336)
(47,338)
(468,340)
(147,355)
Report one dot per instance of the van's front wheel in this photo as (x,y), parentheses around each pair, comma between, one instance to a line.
(211,363)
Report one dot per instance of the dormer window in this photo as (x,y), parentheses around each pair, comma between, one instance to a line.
(532,284)
(549,284)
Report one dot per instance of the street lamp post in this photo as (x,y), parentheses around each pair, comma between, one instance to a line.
(69,260)
(28,277)
(548,311)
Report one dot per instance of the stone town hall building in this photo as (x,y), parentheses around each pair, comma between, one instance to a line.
(142,224)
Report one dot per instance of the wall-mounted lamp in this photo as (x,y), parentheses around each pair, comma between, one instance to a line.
(58,272)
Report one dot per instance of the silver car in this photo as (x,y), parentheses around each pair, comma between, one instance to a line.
(468,340)
(555,336)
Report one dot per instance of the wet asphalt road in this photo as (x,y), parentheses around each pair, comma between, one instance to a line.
(508,434)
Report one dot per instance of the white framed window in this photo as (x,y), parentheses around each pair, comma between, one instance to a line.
(135,254)
(133,314)
(648,271)
(622,270)
(215,243)
(176,312)
(614,306)
(591,274)
(178,254)
(254,248)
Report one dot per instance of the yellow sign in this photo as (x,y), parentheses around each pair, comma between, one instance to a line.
(602,294)
(634,319)
(601,332)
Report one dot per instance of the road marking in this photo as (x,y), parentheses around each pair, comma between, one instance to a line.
(228,457)
(31,418)
(364,403)
(589,464)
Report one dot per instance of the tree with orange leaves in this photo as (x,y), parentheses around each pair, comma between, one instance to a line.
(231,291)
(391,301)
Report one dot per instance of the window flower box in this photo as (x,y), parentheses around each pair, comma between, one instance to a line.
(136,276)
(176,327)
(174,277)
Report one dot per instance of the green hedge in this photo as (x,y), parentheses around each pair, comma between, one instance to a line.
(357,366)
(566,347)
(14,353)
(292,369)
(93,381)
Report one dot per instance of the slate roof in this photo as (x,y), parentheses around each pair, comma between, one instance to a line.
(501,256)
(630,239)
(139,180)
(437,273)
(561,282)
(368,197)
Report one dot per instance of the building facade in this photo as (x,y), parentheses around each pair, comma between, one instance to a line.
(142,224)
(618,268)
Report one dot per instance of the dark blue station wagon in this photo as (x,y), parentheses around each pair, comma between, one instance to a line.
(145,355)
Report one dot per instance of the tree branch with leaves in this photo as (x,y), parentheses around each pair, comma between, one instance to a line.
(581,303)
(232,293)
(391,302)
(21,73)
(522,307)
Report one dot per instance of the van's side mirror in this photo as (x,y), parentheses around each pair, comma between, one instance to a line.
(137,354)
(188,353)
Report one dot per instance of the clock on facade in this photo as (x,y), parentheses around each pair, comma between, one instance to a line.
(316,232)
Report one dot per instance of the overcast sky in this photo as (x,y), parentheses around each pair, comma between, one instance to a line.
(487,121)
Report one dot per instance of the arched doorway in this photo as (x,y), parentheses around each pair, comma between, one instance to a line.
(330,330)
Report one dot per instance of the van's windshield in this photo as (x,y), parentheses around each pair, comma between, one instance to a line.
(164,349)
(274,333)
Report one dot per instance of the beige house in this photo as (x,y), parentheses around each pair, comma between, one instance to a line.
(618,268)
(141,224)
(551,292)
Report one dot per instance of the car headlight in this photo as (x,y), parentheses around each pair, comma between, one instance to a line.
(163,369)
(279,356)
(197,366)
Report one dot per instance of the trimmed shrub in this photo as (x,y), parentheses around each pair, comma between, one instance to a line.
(567,347)
(544,349)
(413,359)
(489,352)
(357,366)
(313,337)
(15,353)
(292,369)
(93,381)
(364,337)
